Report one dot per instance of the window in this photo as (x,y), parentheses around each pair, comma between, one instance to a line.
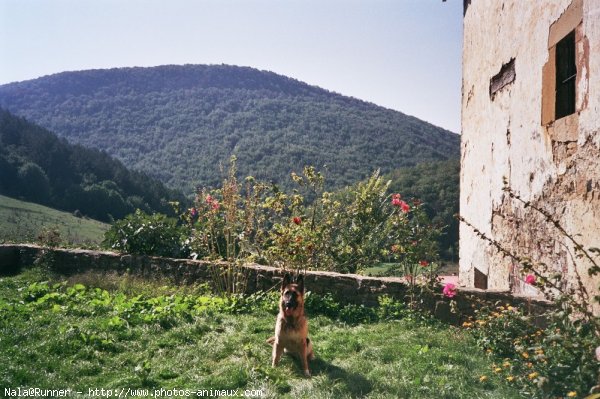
(566,74)
(559,75)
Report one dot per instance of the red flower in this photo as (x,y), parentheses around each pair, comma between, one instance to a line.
(215,205)
(404,206)
(396,200)
(449,290)
(209,199)
(424,263)
(530,279)
(297,220)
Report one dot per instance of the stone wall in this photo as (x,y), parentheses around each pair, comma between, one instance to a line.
(346,288)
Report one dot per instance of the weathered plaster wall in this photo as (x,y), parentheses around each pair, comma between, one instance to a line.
(556,166)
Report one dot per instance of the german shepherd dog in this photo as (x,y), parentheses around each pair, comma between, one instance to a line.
(291,327)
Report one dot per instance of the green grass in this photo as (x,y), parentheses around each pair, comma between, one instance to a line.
(381,269)
(22,221)
(378,270)
(71,336)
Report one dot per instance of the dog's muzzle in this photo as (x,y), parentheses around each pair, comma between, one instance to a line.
(289,304)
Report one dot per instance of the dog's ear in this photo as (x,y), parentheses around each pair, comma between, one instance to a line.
(287,279)
(300,282)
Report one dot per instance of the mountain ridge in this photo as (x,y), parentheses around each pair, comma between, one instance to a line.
(177,123)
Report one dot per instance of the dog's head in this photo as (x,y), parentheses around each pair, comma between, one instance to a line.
(292,295)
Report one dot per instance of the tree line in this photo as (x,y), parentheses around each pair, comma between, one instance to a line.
(37,166)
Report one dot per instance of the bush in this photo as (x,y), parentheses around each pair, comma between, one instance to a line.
(552,362)
(140,233)
(345,232)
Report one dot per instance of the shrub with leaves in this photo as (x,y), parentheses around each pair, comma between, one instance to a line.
(140,233)
(345,232)
(549,362)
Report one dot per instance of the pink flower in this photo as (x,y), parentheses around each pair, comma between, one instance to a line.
(297,220)
(212,202)
(396,200)
(449,290)
(423,263)
(395,248)
(193,212)
(530,279)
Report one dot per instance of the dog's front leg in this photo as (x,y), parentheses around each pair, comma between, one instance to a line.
(304,357)
(277,351)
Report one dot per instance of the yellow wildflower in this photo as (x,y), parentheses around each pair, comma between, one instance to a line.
(506,364)
(572,394)
(510,378)
(532,375)
(525,355)
(467,324)
(488,351)
(497,370)
(483,378)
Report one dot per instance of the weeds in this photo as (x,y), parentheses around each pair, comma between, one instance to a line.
(67,334)
(559,361)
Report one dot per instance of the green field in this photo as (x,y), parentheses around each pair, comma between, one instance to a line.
(24,221)
(447,268)
(129,334)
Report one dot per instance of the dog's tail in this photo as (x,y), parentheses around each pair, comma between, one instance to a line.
(271,340)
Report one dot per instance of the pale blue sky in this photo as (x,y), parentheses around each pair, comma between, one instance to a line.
(401,54)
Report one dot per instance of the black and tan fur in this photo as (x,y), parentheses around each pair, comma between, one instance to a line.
(291,327)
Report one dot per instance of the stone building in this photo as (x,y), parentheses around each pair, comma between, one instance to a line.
(531,116)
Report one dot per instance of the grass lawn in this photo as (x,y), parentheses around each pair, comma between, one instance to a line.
(22,221)
(145,337)
(447,268)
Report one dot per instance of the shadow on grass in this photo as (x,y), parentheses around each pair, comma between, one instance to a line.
(354,384)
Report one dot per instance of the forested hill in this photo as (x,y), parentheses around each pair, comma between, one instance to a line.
(37,166)
(179,123)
